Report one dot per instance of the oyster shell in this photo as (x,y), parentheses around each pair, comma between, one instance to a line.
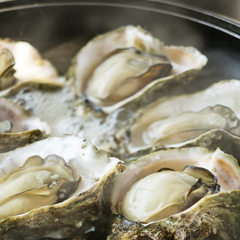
(94,166)
(28,65)
(18,127)
(216,214)
(58,107)
(140,52)
(215,104)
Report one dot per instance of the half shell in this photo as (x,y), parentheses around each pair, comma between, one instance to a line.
(100,61)
(178,118)
(18,127)
(216,214)
(28,65)
(94,166)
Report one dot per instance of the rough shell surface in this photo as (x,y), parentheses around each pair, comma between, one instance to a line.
(94,166)
(214,215)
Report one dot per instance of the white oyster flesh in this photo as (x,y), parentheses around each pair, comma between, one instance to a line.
(39,182)
(125,72)
(162,194)
(91,56)
(160,190)
(29,65)
(19,119)
(91,164)
(188,125)
(170,113)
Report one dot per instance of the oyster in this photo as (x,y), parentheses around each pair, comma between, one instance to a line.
(173,120)
(18,127)
(94,166)
(178,191)
(137,69)
(188,125)
(213,214)
(27,63)
(59,108)
(6,69)
(148,64)
(39,182)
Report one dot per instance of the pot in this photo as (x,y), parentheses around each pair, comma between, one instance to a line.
(58,29)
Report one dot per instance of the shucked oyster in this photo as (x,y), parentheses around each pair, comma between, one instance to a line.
(210,214)
(173,120)
(39,182)
(18,127)
(136,70)
(6,69)
(188,125)
(178,191)
(94,167)
(127,65)
(27,63)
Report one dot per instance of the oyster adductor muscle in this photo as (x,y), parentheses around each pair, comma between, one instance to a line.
(209,211)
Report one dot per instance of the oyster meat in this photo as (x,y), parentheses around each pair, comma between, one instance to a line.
(39,182)
(18,127)
(7,62)
(178,191)
(27,63)
(144,64)
(188,125)
(171,121)
(137,70)
(82,202)
(177,201)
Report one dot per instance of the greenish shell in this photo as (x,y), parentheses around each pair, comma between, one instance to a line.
(215,215)
(129,138)
(216,218)
(85,205)
(23,127)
